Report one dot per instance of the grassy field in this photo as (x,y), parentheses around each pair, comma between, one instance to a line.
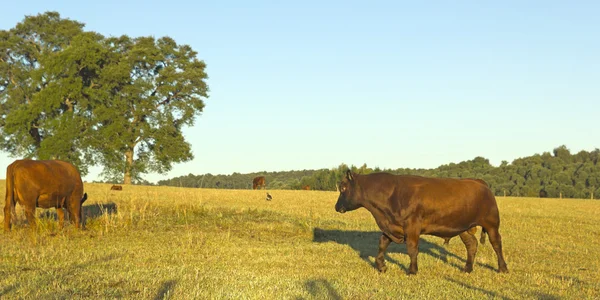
(177,243)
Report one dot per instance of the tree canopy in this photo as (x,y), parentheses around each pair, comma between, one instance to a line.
(76,95)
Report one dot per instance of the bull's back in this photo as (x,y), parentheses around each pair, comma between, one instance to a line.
(437,190)
(46,176)
(448,198)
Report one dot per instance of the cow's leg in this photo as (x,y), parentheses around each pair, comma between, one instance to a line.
(8,208)
(470,242)
(496,241)
(14,213)
(74,210)
(61,217)
(73,217)
(384,242)
(412,247)
(30,214)
(10,211)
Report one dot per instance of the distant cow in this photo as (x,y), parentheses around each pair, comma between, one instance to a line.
(306,187)
(45,184)
(258,182)
(405,207)
(116,188)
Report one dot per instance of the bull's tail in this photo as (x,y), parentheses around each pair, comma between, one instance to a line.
(482,236)
(9,200)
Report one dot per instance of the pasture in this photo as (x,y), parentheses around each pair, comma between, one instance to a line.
(177,243)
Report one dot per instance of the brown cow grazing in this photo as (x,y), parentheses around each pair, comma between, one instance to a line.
(405,207)
(45,184)
(306,187)
(116,188)
(258,182)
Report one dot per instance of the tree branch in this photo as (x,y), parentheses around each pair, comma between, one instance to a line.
(168,99)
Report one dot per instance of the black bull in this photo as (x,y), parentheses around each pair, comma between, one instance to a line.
(405,207)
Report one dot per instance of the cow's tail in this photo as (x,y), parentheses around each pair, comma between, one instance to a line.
(482,236)
(9,200)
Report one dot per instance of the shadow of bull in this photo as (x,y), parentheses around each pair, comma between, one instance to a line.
(88,211)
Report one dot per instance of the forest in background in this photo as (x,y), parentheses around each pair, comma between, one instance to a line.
(553,174)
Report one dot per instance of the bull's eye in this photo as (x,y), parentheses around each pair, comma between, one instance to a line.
(342,189)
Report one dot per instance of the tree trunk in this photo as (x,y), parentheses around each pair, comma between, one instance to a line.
(128,166)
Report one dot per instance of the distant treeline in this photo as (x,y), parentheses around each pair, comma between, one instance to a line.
(556,174)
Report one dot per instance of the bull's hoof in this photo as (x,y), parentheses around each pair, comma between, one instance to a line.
(468,269)
(381,268)
(503,270)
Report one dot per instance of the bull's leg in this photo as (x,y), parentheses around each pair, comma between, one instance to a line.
(74,210)
(7,216)
(496,241)
(14,213)
(61,217)
(470,242)
(384,242)
(412,247)
(78,221)
(447,241)
(30,214)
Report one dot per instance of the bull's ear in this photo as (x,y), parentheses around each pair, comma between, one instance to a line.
(349,175)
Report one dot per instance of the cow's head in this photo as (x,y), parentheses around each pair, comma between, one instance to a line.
(347,200)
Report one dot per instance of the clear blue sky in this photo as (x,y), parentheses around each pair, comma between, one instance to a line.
(312,84)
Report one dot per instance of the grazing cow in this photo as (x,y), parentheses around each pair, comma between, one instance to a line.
(116,188)
(258,182)
(306,187)
(404,207)
(45,184)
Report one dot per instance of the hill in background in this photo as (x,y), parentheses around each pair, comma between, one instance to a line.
(557,174)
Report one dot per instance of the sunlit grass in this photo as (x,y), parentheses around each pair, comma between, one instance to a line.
(177,243)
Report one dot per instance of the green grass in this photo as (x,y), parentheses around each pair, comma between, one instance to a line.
(174,243)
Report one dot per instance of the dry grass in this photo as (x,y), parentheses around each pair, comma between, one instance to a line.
(174,243)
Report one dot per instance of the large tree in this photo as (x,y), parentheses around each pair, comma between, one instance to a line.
(151,88)
(120,102)
(45,67)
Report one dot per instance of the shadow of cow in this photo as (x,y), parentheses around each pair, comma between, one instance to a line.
(366,244)
(88,211)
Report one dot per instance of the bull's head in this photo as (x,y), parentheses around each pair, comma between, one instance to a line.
(347,200)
